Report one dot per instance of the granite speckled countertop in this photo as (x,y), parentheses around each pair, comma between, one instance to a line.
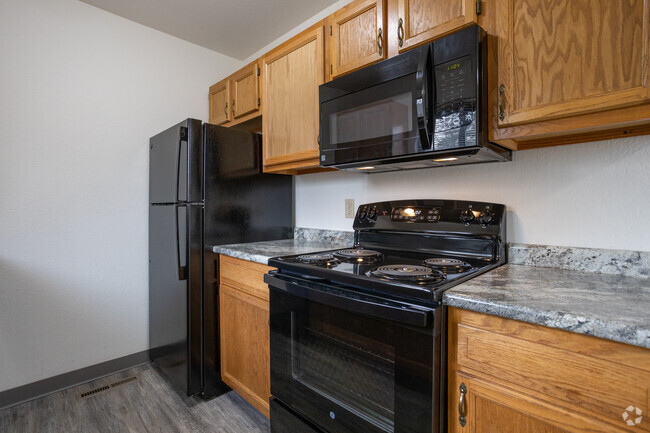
(604,293)
(613,307)
(261,252)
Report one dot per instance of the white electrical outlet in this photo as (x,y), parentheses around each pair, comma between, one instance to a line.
(349,208)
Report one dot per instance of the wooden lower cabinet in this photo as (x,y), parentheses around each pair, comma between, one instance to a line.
(507,376)
(244,330)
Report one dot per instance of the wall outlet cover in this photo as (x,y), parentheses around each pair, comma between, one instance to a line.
(349,208)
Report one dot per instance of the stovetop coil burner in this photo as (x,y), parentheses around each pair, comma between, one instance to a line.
(318,259)
(358,254)
(410,273)
(448,266)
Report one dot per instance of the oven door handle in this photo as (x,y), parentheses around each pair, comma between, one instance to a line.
(355,302)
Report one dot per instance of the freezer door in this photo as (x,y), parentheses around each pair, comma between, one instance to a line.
(176,164)
(175,278)
(241,203)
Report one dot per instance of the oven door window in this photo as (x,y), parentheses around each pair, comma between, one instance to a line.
(349,372)
(348,360)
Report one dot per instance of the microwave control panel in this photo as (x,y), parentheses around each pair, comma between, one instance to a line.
(455,81)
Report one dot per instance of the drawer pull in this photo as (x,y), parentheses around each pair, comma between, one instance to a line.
(461,405)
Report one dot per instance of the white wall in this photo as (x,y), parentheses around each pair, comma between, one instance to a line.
(586,195)
(299,28)
(81,92)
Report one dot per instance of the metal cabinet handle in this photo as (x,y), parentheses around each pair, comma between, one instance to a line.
(400,32)
(380,41)
(461,405)
(502,113)
(233,107)
(225,110)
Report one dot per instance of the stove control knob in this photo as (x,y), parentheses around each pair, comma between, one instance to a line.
(372,215)
(467,216)
(362,215)
(485,218)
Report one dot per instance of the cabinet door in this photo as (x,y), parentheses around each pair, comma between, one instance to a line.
(489,408)
(245,359)
(357,36)
(246,93)
(292,74)
(422,20)
(220,103)
(559,58)
(541,379)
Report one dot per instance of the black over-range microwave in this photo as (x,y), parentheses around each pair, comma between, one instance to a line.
(426,107)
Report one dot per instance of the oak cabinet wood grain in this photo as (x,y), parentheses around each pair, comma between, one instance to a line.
(246,90)
(420,21)
(567,71)
(219,97)
(565,57)
(236,98)
(357,36)
(244,330)
(520,377)
(292,73)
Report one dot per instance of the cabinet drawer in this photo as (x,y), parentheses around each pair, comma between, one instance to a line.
(247,276)
(579,372)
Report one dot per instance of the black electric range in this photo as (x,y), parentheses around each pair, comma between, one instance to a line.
(416,276)
(343,321)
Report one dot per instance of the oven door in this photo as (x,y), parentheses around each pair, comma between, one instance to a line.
(350,362)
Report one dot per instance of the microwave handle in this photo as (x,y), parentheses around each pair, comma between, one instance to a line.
(424,106)
(353,302)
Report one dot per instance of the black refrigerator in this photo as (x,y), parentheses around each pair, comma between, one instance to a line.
(206,188)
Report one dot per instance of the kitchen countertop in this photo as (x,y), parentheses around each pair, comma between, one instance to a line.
(261,252)
(612,307)
(609,306)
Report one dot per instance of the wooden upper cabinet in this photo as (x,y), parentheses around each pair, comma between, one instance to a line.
(220,103)
(561,58)
(237,98)
(246,91)
(292,73)
(357,36)
(419,21)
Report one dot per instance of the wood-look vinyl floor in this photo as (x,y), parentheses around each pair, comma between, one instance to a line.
(144,406)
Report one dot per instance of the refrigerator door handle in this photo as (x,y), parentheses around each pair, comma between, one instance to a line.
(182,136)
(182,270)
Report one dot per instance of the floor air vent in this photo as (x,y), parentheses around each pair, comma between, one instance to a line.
(101,389)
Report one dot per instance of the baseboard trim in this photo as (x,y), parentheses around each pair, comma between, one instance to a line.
(31,391)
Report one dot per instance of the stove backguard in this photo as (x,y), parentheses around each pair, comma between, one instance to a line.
(446,227)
